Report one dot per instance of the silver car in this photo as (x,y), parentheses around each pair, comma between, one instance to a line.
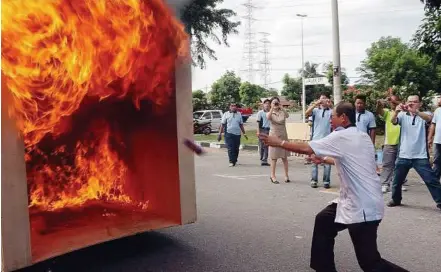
(215,116)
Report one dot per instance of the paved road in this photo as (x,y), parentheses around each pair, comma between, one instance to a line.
(245,223)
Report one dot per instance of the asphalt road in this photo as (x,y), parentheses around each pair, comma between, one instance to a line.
(245,223)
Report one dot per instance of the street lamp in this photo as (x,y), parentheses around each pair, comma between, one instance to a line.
(336,52)
(302,16)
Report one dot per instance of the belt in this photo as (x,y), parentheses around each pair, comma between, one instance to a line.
(265,128)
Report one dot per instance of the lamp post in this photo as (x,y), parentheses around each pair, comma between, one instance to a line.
(336,52)
(302,16)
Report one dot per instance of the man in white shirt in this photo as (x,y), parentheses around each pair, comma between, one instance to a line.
(360,206)
(435,141)
(232,126)
(413,152)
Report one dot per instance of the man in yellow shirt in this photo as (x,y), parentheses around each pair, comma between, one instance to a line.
(391,141)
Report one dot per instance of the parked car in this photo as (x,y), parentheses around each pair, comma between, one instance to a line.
(215,116)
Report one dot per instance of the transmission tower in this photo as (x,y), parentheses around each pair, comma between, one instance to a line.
(249,44)
(265,62)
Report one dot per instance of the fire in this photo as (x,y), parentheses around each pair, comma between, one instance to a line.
(57,54)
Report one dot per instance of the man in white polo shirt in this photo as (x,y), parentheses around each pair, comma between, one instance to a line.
(435,141)
(232,126)
(413,151)
(360,206)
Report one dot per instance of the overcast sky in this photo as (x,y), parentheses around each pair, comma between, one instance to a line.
(361,23)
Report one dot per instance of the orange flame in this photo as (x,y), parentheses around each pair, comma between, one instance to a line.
(55,53)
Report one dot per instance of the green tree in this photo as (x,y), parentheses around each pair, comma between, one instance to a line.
(250,93)
(271,92)
(292,87)
(200,101)
(203,20)
(432,4)
(224,91)
(427,38)
(390,63)
(328,67)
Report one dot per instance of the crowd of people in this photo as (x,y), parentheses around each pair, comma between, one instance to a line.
(409,135)
(344,136)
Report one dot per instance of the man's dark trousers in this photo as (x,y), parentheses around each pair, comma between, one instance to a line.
(437,160)
(233,143)
(427,174)
(263,149)
(363,236)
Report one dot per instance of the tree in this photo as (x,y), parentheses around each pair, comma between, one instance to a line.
(271,92)
(328,67)
(292,87)
(224,91)
(390,63)
(202,19)
(250,93)
(427,38)
(200,100)
(432,4)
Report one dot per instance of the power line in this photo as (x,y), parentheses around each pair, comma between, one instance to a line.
(249,44)
(265,63)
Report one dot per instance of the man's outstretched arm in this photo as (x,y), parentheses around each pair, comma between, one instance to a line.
(296,147)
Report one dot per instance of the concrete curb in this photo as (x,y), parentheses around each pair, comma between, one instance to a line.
(222,145)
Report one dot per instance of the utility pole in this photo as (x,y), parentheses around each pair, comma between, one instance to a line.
(265,63)
(336,52)
(302,16)
(250,44)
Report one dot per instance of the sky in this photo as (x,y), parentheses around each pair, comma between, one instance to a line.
(362,22)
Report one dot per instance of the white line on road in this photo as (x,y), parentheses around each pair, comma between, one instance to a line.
(239,177)
(329,192)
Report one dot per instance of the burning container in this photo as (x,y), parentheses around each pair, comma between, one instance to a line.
(96,99)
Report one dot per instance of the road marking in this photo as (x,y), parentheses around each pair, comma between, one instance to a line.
(329,192)
(239,177)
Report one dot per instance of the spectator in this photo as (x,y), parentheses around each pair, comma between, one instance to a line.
(320,111)
(263,128)
(413,151)
(391,141)
(232,126)
(277,117)
(365,119)
(435,138)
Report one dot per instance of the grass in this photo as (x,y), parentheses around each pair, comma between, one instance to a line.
(252,138)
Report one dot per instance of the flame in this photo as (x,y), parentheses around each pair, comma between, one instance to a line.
(57,53)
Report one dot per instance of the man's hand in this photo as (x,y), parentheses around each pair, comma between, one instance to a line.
(400,107)
(219,137)
(316,159)
(270,140)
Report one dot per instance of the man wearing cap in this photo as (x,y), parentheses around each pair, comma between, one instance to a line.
(232,126)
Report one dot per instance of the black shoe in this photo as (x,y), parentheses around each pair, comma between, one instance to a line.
(438,206)
(314,184)
(287,181)
(326,186)
(264,164)
(274,181)
(393,204)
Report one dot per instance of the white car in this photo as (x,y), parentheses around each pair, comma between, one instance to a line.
(215,116)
